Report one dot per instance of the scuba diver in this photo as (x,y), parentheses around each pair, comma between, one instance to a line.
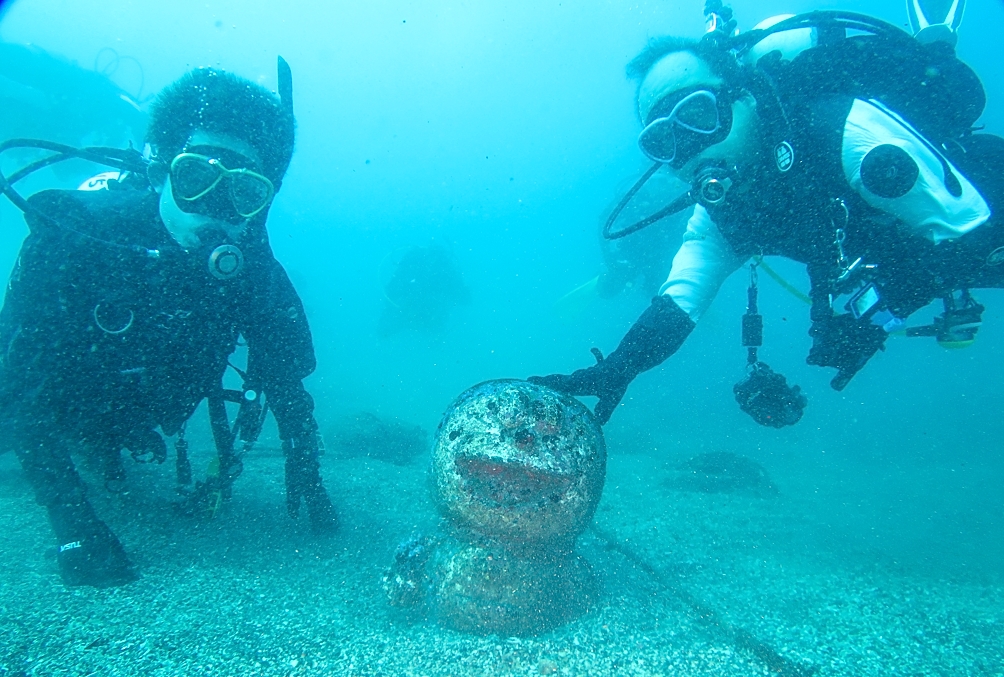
(830,138)
(423,290)
(126,302)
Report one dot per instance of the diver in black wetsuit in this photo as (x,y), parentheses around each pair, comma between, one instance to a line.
(832,139)
(125,304)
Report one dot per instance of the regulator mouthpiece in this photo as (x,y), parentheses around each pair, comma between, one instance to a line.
(711,187)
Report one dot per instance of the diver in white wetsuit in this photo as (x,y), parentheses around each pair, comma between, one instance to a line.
(832,139)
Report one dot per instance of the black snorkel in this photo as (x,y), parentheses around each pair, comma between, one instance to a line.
(285,78)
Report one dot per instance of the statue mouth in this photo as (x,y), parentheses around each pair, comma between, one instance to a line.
(511,484)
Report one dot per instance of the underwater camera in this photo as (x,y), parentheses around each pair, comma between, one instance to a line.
(766,396)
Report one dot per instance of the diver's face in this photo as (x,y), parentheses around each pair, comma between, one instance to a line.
(212,217)
(691,120)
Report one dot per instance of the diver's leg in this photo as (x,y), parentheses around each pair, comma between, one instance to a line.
(89,553)
(303,480)
(976,260)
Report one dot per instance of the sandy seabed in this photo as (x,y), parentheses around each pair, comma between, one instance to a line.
(252,593)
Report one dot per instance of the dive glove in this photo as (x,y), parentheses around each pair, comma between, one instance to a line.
(303,482)
(657,334)
(846,343)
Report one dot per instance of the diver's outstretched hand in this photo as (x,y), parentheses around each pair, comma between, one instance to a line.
(600,381)
(656,335)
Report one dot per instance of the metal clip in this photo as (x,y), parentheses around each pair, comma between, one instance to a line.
(840,234)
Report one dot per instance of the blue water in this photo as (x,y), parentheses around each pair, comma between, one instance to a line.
(505,132)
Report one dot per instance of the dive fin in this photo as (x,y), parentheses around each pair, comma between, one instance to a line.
(575,302)
(935,20)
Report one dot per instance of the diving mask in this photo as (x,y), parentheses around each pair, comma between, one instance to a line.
(697,119)
(195,176)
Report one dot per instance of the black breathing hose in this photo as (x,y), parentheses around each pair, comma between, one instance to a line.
(677,205)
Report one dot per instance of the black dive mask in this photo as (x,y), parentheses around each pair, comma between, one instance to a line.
(686,123)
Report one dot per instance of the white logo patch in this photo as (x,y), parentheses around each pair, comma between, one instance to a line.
(784,156)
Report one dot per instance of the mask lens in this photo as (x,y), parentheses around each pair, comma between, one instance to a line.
(697,113)
(677,136)
(192,177)
(658,140)
(249,192)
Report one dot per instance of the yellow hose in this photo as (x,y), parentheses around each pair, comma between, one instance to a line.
(787,286)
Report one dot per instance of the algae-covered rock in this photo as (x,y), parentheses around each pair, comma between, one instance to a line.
(406,582)
(722,472)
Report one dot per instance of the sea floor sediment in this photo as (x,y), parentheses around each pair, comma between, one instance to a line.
(251,592)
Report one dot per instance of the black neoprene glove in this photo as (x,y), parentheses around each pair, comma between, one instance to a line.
(303,482)
(657,334)
(846,343)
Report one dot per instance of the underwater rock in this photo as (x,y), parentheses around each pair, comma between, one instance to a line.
(518,463)
(489,589)
(722,472)
(366,434)
(406,582)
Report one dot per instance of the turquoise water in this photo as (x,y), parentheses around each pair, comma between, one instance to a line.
(503,133)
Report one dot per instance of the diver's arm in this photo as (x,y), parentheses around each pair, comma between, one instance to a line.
(702,264)
(280,356)
(281,352)
(895,170)
(699,268)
